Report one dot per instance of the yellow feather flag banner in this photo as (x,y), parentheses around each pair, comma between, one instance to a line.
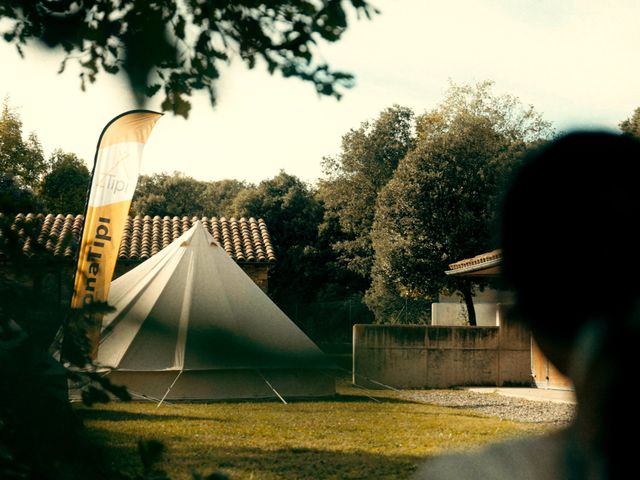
(115,176)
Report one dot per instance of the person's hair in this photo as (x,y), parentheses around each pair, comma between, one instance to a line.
(570,251)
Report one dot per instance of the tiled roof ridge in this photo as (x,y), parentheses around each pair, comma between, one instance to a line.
(244,239)
(491,256)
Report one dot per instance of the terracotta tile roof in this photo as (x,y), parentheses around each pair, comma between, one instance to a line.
(245,240)
(490,260)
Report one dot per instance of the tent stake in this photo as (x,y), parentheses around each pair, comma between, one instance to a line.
(271,387)
(169,389)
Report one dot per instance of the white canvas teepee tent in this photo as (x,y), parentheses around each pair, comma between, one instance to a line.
(189,324)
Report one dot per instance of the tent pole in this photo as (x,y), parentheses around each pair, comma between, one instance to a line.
(169,389)
(271,387)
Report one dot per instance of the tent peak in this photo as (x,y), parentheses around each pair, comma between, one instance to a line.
(190,235)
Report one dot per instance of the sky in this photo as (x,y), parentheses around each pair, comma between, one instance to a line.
(575,61)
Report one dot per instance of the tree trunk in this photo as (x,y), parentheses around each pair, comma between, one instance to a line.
(468,300)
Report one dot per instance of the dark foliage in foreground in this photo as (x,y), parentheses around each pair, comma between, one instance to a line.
(40,436)
(181,47)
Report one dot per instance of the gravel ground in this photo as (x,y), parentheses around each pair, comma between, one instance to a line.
(495,405)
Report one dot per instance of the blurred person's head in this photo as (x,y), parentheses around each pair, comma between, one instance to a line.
(570,249)
(571,255)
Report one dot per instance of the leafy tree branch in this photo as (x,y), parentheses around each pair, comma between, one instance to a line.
(181,46)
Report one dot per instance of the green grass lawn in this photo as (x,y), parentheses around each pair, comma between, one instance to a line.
(351,436)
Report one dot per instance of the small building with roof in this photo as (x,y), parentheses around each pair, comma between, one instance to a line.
(484,265)
(449,353)
(50,242)
(543,372)
(449,310)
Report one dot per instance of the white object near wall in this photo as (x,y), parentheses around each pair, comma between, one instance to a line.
(455,314)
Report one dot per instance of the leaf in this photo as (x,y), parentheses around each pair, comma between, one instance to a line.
(180,27)
(143,37)
(150,452)
(151,90)
(216,476)
(110,68)
(92,395)
(174,102)
(63,65)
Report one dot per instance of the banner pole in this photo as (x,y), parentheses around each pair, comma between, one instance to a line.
(114,177)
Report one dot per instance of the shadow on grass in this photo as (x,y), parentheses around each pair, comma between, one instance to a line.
(161,415)
(104,414)
(369,398)
(298,463)
(465,410)
(245,462)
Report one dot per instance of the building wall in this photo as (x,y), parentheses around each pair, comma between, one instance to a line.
(412,356)
(450,310)
(455,314)
(259,273)
(545,374)
(487,295)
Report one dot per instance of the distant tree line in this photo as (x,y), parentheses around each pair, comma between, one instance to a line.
(410,194)
(405,196)
(31,183)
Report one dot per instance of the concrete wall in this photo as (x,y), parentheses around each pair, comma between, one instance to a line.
(411,356)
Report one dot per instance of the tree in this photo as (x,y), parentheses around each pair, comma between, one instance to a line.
(178,194)
(631,126)
(40,434)
(163,194)
(64,189)
(19,157)
(391,305)
(369,156)
(292,214)
(181,46)
(16,198)
(439,206)
(219,196)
